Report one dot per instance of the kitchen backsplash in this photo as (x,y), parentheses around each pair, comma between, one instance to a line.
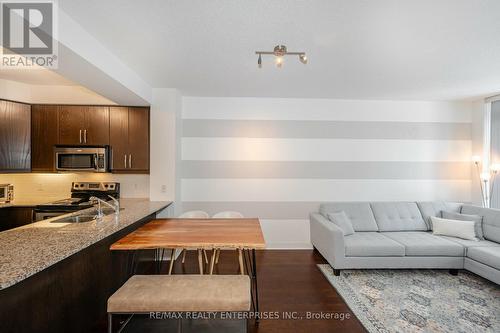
(57,186)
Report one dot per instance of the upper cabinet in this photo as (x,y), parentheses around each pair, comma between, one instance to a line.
(129,139)
(83,125)
(44,135)
(15,137)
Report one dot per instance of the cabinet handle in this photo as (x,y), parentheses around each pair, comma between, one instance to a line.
(80,136)
(85,136)
(130,161)
(125,159)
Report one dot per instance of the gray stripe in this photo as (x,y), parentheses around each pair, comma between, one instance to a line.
(326,170)
(263,210)
(326,129)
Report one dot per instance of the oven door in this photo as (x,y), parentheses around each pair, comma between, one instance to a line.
(81,159)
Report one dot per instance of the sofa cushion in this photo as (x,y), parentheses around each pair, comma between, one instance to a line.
(398,216)
(454,228)
(491,220)
(470,243)
(342,221)
(372,244)
(486,255)
(478,220)
(434,208)
(359,213)
(420,243)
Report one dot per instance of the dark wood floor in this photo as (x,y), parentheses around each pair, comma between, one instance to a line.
(288,281)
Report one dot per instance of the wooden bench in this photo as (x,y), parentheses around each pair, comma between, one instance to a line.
(144,294)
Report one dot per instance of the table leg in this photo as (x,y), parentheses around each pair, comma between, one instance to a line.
(184,255)
(172,259)
(254,277)
(240,259)
(200,261)
(131,263)
(212,261)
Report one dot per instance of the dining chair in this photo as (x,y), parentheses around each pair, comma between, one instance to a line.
(228,215)
(193,214)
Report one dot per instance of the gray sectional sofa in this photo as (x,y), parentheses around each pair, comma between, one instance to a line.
(398,235)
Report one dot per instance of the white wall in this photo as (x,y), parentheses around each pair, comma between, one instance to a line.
(165,147)
(277,159)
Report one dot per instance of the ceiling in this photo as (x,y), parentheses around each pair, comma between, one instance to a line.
(357,49)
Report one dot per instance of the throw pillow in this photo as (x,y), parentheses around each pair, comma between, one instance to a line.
(453,228)
(478,220)
(341,220)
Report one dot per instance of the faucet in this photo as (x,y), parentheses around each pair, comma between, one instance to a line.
(115,206)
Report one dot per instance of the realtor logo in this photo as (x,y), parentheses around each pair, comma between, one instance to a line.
(28,31)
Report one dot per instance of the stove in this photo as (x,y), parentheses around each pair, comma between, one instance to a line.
(80,195)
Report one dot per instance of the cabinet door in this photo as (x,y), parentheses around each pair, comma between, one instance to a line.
(71,124)
(138,138)
(96,131)
(15,137)
(44,134)
(118,137)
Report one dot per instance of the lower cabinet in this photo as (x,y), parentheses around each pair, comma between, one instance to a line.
(13,217)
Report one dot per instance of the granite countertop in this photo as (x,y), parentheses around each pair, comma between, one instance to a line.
(29,249)
(27,202)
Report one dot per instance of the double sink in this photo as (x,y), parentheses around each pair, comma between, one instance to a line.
(85,216)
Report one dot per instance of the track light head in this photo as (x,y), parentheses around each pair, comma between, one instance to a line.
(259,61)
(303,58)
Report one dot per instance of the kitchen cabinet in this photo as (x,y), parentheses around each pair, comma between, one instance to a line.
(15,137)
(83,125)
(13,217)
(129,139)
(44,135)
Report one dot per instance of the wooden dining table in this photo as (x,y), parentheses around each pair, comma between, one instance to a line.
(243,235)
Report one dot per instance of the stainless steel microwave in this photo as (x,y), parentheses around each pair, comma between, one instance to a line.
(82,159)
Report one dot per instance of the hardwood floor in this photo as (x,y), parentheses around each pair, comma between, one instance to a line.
(288,281)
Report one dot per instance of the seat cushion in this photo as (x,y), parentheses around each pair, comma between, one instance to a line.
(149,293)
(491,220)
(486,255)
(372,244)
(420,243)
(359,213)
(398,216)
(434,208)
(470,243)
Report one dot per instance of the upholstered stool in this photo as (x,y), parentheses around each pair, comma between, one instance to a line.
(181,293)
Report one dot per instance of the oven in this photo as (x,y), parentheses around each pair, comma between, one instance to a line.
(83,159)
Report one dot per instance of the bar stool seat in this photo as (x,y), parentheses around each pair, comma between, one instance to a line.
(182,293)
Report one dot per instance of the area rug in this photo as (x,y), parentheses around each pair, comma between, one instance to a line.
(419,300)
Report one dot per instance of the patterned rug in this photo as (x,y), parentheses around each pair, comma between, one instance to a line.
(419,300)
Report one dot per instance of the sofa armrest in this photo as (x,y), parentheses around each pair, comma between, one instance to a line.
(328,239)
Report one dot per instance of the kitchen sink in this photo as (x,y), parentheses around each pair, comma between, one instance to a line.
(76,219)
(89,215)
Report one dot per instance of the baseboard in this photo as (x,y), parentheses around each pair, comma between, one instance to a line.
(289,246)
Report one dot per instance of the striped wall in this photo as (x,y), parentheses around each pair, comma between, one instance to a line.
(279,158)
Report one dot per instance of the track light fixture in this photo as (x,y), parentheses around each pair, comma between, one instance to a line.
(279,52)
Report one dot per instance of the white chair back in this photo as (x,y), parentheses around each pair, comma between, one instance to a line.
(228,215)
(194,214)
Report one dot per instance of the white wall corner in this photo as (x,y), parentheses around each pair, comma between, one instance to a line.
(165,139)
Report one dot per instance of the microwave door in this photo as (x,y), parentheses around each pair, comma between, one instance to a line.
(76,161)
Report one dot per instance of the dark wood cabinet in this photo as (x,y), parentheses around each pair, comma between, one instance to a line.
(44,135)
(83,125)
(15,137)
(129,139)
(13,217)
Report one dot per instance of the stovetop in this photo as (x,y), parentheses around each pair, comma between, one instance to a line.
(80,195)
